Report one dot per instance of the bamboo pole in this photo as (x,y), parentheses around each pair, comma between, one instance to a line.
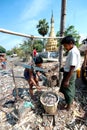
(25,35)
(16,89)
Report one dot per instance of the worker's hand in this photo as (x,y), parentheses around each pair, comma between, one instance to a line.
(38,88)
(62,69)
(66,83)
(38,73)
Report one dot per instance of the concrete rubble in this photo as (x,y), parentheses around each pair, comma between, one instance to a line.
(25,113)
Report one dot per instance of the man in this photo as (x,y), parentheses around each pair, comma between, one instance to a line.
(34,54)
(70,68)
(33,77)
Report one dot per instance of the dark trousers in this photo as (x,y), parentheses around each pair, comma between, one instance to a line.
(69,91)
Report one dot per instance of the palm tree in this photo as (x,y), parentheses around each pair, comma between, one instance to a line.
(43,28)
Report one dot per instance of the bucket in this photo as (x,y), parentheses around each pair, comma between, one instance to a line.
(50,108)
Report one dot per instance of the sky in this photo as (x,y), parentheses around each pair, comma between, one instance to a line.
(22,16)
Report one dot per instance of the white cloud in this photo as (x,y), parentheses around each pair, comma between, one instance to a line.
(26,23)
(83,36)
(29,27)
(34,8)
(3,37)
(14,42)
(9,41)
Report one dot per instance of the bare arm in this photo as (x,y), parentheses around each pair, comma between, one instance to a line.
(32,80)
(66,82)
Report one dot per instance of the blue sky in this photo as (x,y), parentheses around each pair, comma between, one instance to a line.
(23,15)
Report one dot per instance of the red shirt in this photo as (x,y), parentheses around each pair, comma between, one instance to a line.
(34,52)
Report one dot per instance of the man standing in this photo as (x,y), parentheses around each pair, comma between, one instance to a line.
(34,54)
(33,77)
(70,68)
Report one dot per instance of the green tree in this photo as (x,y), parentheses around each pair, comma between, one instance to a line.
(38,44)
(43,27)
(71,31)
(26,48)
(9,52)
(2,49)
(14,50)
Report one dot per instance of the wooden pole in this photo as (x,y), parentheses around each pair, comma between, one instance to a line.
(16,89)
(25,35)
(62,27)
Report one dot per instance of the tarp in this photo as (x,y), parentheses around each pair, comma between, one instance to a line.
(32,67)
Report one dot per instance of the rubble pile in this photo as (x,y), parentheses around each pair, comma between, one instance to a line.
(49,99)
(25,113)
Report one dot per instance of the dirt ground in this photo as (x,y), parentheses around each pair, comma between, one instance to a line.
(21,112)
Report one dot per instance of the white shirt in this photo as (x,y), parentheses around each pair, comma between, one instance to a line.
(73,59)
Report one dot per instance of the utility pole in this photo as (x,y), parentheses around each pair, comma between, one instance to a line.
(62,28)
